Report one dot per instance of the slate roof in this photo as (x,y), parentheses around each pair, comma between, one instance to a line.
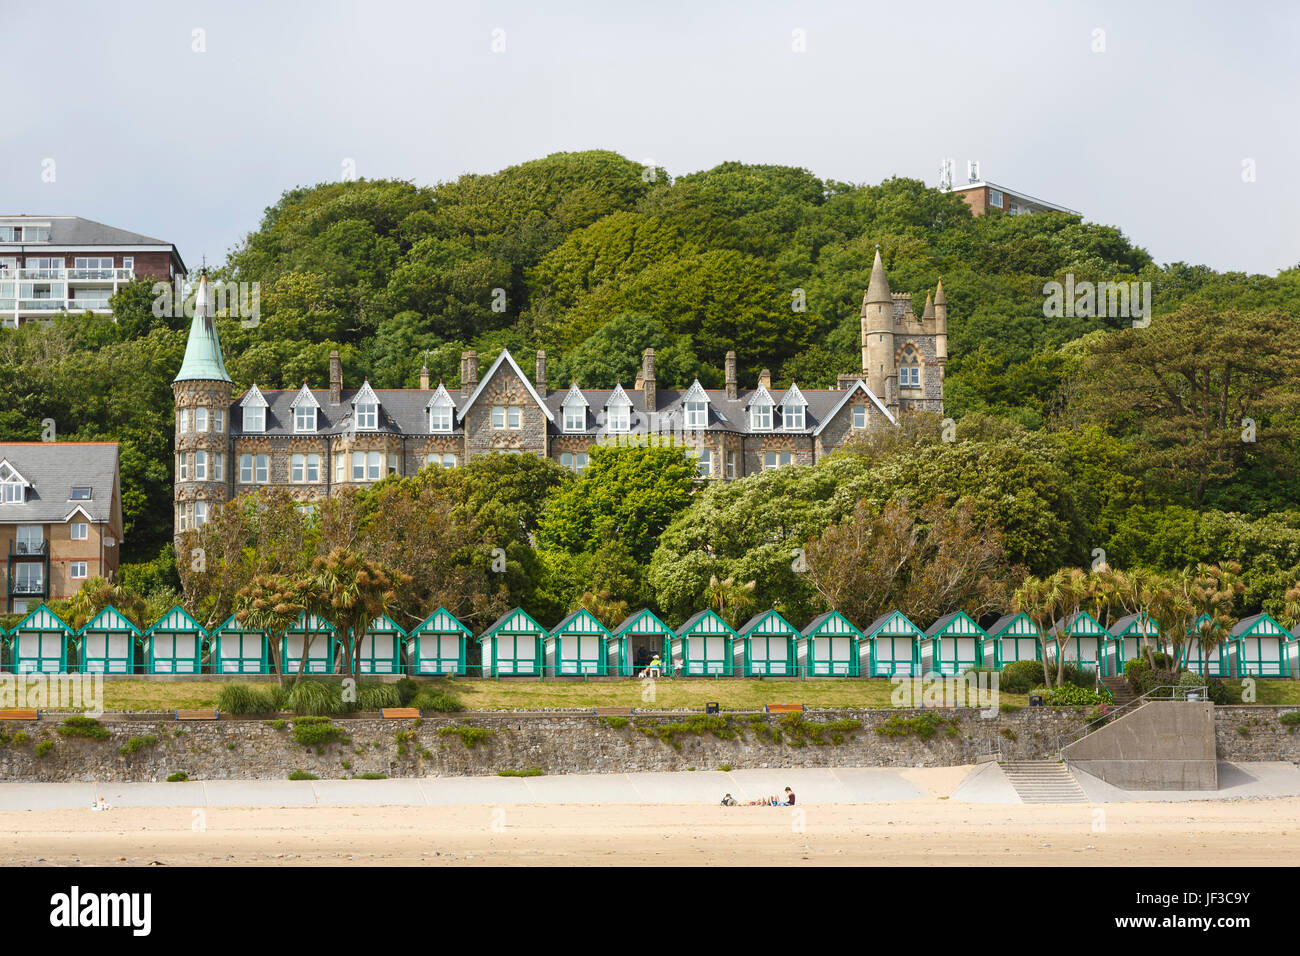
(1005,620)
(53,469)
(75,231)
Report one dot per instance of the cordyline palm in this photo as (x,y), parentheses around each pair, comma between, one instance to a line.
(1036,600)
(353,592)
(271,603)
(730,599)
(1073,588)
(1213,589)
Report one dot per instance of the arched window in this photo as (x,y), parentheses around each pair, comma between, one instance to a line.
(909,369)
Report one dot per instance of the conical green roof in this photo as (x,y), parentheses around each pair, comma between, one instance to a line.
(203,362)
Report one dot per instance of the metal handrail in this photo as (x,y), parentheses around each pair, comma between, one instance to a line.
(1062,743)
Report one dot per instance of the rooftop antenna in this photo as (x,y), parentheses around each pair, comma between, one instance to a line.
(973,170)
(945,174)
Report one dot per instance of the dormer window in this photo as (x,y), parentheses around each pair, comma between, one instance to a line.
(13,487)
(697,414)
(304,419)
(368,416)
(440,418)
(80,493)
(760,418)
(575,418)
(254,419)
(792,417)
(618,411)
(365,409)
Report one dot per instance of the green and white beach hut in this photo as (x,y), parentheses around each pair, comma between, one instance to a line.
(174,644)
(106,645)
(1218,663)
(1086,642)
(954,644)
(1263,647)
(513,645)
(828,646)
(1129,636)
(318,635)
(40,643)
(1014,637)
(381,648)
(705,645)
(437,646)
(578,645)
(637,641)
(237,649)
(768,645)
(893,645)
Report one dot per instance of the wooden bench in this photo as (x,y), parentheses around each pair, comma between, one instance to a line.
(613,711)
(399,713)
(19,713)
(204,714)
(784,708)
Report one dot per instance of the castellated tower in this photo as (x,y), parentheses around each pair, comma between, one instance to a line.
(903,355)
(202,390)
(878,336)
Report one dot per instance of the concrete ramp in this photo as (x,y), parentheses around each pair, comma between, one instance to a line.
(1163,745)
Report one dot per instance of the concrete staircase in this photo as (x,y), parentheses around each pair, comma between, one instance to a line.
(1120,689)
(1044,781)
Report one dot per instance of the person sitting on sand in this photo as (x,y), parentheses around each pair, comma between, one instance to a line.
(729,801)
(789,797)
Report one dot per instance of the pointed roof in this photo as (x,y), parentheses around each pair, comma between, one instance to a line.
(831,622)
(253,398)
(954,623)
(644,621)
(706,622)
(366,395)
(939,297)
(41,619)
(760,396)
(878,287)
(514,621)
(858,384)
(202,362)
(767,622)
(8,472)
(1261,624)
(695,393)
(929,307)
(1140,623)
(441,398)
(177,619)
(304,398)
(507,358)
(440,621)
(793,396)
(894,623)
(574,396)
(109,619)
(580,621)
(619,397)
(1006,621)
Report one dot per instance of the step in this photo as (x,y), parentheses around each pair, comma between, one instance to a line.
(1045,781)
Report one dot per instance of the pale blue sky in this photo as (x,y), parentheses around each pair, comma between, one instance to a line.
(1149,135)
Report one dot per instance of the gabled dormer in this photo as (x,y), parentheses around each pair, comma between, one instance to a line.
(254,405)
(365,409)
(442,410)
(505,359)
(760,407)
(13,486)
(695,407)
(794,410)
(304,407)
(618,411)
(575,407)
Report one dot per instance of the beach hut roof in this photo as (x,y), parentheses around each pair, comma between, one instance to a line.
(644,621)
(516,621)
(232,624)
(1007,621)
(1259,624)
(42,619)
(580,621)
(177,619)
(313,623)
(441,621)
(895,620)
(1134,622)
(385,625)
(955,622)
(767,622)
(110,619)
(831,622)
(706,620)
(1082,624)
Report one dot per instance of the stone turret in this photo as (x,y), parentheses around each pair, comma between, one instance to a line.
(940,327)
(878,334)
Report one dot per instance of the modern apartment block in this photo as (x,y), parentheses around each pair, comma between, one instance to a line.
(982,196)
(60,518)
(52,264)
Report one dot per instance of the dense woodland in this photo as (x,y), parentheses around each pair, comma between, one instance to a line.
(1077,440)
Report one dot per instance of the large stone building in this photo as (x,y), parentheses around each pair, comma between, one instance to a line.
(314,441)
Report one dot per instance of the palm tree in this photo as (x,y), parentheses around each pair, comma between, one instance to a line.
(730,599)
(1073,588)
(271,603)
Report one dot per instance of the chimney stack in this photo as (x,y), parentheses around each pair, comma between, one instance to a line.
(733,387)
(648,380)
(541,372)
(336,378)
(765,379)
(468,371)
(424,376)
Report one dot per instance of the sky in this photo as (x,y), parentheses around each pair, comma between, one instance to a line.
(184,121)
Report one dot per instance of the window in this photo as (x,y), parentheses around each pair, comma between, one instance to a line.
(566,460)
(200,514)
(704,463)
(777,459)
(77,569)
(995,198)
(80,531)
(515,416)
(182,467)
(373,461)
(298,468)
(80,493)
(792,417)
(859,416)
(358,466)
(447,460)
(262,465)
(697,414)
(183,423)
(182,520)
(304,419)
(498,416)
(340,467)
(246,469)
(128,263)
(368,416)
(575,418)
(581,461)
(731,464)
(29,578)
(760,418)
(31,539)
(200,466)
(218,420)
(254,419)
(911,377)
(392,464)
(12,490)
(200,419)
(219,467)
(618,418)
(440,418)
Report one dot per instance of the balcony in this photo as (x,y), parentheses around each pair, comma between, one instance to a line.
(64,275)
(29,549)
(27,588)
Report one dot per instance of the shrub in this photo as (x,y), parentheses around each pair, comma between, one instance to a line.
(1136,672)
(1070,695)
(1290,719)
(136,744)
(469,736)
(302,775)
(22,739)
(44,747)
(615,721)
(244,699)
(437,702)
(317,732)
(371,775)
(1020,677)
(312,698)
(1080,676)
(530,772)
(87,727)
(180,776)
(378,696)
(923,725)
(407,690)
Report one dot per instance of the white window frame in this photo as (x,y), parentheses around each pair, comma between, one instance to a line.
(859,416)
(514,418)
(374,465)
(440,418)
(254,419)
(313,468)
(201,419)
(580,461)
(792,417)
(304,419)
(358,466)
(183,422)
(200,514)
(575,418)
(995,198)
(246,469)
(73,566)
(697,415)
(367,417)
(760,418)
(499,417)
(218,420)
(298,468)
(79,531)
(219,466)
(262,469)
(618,419)
(731,464)
(182,466)
(704,463)
(200,465)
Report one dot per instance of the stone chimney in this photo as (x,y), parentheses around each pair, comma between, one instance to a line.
(765,379)
(424,376)
(468,371)
(733,388)
(648,380)
(541,372)
(336,378)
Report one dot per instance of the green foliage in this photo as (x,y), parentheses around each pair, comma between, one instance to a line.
(180,776)
(530,772)
(470,736)
(724,728)
(1020,677)
(1290,719)
(378,696)
(407,690)
(1071,695)
(314,698)
(241,699)
(43,748)
(615,722)
(370,775)
(315,731)
(136,744)
(87,727)
(438,702)
(302,775)
(924,726)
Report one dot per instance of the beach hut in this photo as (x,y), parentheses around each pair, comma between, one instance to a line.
(1086,641)
(174,644)
(578,645)
(828,646)
(894,645)
(955,644)
(237,649)
(1263,647)
(1014,637)
(1217,663)
(381,649)
(767,643)
(40,643)
(106,644)
(637,641)
(318,636)
(437,646)
(704,645)
(1129,636)
(513,645)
